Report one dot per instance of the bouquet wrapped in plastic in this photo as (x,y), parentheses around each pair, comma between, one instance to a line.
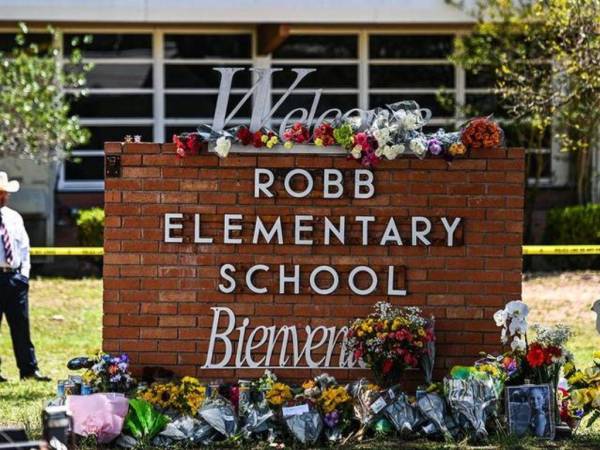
(219,413)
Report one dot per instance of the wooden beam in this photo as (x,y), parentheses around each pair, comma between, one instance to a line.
(270,37)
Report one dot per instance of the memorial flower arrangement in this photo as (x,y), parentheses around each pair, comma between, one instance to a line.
(584,390)
(185,396)
(109,374)
(279,394)
(538,359)
(376,135)
(390,340)
(187,144)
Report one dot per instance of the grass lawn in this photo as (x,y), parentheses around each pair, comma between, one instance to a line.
(66,318)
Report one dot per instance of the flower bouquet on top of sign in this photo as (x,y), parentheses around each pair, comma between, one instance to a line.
(390,340)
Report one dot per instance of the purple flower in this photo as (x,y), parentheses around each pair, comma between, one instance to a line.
(124,358)
(332,418)
(435,146)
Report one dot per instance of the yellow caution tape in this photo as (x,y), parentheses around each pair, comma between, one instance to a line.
(67,251)
(561,249)
(527,250)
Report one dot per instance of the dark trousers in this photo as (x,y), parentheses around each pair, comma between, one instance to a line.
(14,304)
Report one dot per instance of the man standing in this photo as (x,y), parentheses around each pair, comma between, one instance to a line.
(14,282)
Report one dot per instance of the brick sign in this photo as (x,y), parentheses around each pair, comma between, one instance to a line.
(220,268)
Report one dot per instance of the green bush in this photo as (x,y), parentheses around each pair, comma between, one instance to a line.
(575,225)
(90,227)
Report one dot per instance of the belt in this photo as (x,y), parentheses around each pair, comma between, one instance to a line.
(9,270)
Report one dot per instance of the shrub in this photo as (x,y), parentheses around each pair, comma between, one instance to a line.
(90,227)
(575,225)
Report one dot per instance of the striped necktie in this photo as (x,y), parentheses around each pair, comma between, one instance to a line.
(6,242)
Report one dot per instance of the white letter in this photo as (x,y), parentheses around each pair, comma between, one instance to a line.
(197,238)
(450,229)
(310,346)
(391,233)
(334,284)
(249,281)
(229,227)
(339,232)
(223,336)
(259,186)
(293,279)
(259,228)
(365,227)
(309,183)
(359,182)
(391,289)
(224,269)
(239,361)
(299,228)
(420,235)
(172,226)
(250,347)
(328,182)
(354,272)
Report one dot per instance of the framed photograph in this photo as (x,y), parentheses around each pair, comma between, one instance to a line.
(529,410)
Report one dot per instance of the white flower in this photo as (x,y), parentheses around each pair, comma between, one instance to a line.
(356,152)
(379,151)
(418,146)
(382,136)
(517,308)
(223,145)
(518,344)
(517,326)
(392,151)
(408,120)
(500,317)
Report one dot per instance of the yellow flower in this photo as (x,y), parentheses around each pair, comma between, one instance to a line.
(264,138)
(288,144)
(596,355)
(568,368)
(332,397)
(308,384)
(319,142)
(279,394)
(576,377)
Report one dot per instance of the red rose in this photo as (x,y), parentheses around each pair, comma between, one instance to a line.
(535,355)
(387,366)
(244,136)
(257,139)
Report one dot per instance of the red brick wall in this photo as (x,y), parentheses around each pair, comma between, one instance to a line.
(157,296)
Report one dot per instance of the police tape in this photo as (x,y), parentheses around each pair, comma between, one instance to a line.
(561,249)
(527,250)
(67,251)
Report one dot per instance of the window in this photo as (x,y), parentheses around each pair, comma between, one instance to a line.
(413,67)
(335,56)
(190,83)
(120,101)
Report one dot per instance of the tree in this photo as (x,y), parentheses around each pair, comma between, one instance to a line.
(545,55)
(35,122)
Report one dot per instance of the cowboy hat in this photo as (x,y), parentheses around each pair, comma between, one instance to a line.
(8,186)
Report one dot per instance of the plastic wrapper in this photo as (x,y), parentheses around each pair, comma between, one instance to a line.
(428,359)
(433,408)
(364,398)
(220,414)
(258,419)
(186,429)
(101,415)
(143,421)
(401,413)
(474,399)
(409,116)
(306,427)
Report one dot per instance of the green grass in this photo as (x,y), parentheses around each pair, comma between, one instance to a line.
(66,318)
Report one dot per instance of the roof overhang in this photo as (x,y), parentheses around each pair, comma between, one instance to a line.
(235,11)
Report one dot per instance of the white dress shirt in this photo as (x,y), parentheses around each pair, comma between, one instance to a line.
(19,241)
